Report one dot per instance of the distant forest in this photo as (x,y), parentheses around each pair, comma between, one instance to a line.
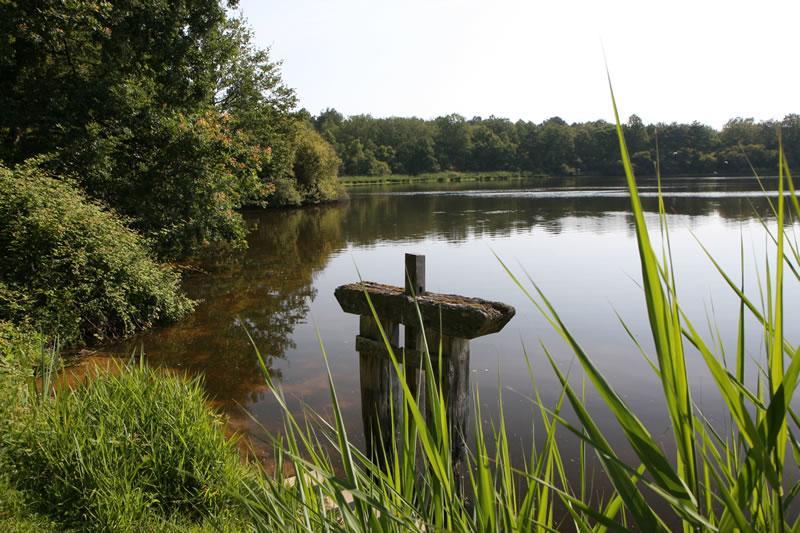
(380,146)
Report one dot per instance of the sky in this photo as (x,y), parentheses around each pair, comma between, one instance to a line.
(677,60)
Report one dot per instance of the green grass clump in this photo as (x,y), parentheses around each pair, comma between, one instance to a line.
(22,353)
(15,513)
(17,358)
(72,267)
(123,450)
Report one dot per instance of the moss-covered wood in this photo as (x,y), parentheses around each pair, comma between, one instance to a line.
(455,316)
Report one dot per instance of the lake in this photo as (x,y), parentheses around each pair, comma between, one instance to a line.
(573,237)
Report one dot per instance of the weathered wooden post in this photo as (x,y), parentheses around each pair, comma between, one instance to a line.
(413,341)
(381,400)
(445,318)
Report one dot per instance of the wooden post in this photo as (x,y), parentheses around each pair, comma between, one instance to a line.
(412,338)
(453,381)
(381,399)
(447,319)
(415,274)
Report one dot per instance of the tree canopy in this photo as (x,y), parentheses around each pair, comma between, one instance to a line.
(377,146)
(163,109)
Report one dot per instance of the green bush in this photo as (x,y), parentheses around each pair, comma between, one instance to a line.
(120,450)
(163,109)
(15,515)
(316,167)
(314,173)
(285,193)
(73,267)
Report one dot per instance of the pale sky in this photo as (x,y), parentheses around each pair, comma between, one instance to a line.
(672,60)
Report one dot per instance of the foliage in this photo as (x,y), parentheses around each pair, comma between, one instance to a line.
(314,169)
(162,109)
(125,450)
(73,268)
(367,145)
(15,513)
(21,352)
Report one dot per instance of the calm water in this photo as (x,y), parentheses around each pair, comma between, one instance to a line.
(575,238)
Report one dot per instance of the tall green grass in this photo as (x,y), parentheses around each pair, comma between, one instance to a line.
(720,478)
(131,450)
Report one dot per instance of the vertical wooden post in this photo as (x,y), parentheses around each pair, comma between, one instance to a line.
(381,400)
(453,381)
(454,378)
(414,276)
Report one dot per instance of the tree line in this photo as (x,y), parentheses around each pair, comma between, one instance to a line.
(378,146)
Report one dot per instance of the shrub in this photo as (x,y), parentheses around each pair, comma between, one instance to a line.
(285,193)
(316,166)
(313,177)
(182,194)
(72,266)
(120,450)
(14,512)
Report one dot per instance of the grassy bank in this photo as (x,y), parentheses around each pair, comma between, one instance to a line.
(433,177)
(130,450)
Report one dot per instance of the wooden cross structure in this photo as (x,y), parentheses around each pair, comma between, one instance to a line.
(450,319)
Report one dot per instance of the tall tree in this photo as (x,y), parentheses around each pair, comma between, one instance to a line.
(161,108)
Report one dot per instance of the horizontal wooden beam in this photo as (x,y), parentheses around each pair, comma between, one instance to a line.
(452,315)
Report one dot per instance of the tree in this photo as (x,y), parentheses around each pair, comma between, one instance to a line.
(315,166)
(417,156)
(597,149)
(163,109)
(740,131)
(636,136)
(552,147)
(489,150)
(328,123)
(790,131)
(452,142)
(557,146)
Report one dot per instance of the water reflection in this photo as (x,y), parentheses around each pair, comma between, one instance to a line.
(266,290)
(455,216)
